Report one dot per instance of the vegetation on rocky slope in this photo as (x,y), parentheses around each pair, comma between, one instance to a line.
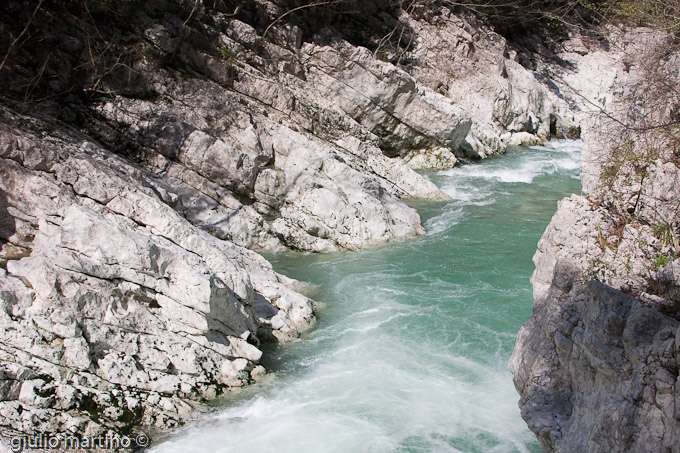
(597,369)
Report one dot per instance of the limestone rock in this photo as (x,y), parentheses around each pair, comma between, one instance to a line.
(596,365)
(471,64)
(120,310)
(597,369)
(126,293)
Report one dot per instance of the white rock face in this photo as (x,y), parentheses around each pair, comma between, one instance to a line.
(303,168)
(117,309)
(127,298)
(385,100)
(474,67)
(303,125)
(596,368)
(127,294)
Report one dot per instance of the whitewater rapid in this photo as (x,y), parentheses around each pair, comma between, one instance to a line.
(410,353)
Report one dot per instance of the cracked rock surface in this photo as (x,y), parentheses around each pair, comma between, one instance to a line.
(114,308)
(597,364)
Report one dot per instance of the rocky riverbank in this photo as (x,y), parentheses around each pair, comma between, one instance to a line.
(146,146)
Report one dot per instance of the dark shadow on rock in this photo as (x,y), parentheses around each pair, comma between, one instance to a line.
(552,86)
(167,135)
(373,24)
(667,286)
(263,308)
(568,65)
(225,317)
(7,223)
(266,311)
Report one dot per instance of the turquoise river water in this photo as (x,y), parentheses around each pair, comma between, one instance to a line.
(411,350)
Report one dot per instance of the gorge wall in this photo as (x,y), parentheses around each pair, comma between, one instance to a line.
(146,148)
(597,363)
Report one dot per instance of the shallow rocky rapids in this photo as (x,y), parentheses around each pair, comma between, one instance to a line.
(411,350)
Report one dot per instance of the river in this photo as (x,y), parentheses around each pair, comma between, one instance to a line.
(411,350)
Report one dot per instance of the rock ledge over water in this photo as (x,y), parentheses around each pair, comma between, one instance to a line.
(597,364)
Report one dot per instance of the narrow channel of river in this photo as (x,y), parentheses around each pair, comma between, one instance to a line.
(411,351)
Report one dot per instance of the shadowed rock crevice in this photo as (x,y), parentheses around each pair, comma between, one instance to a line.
(7,224)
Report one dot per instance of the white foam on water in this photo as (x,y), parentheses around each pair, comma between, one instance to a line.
(379,397)
(525,173)
(406,364)
(551,158)
(371,326)
(379,389)
(501,174)
(464,192)
(567,146)
(444,221)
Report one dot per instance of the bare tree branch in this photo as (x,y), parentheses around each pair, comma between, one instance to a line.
(264,35)
(16,40)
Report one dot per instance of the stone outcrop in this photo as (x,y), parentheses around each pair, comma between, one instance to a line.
(596,368)
(115,309)
(302,184)
(127,296)
(478,69)
(597,364)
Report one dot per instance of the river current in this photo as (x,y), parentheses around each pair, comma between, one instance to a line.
(411,350)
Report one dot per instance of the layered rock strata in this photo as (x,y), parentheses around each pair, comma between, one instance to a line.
(475,67)
(596,368)
(115,309)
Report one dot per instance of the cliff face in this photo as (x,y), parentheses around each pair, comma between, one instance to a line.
(295,139)
(597,363)
(143,145)
(596,368)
